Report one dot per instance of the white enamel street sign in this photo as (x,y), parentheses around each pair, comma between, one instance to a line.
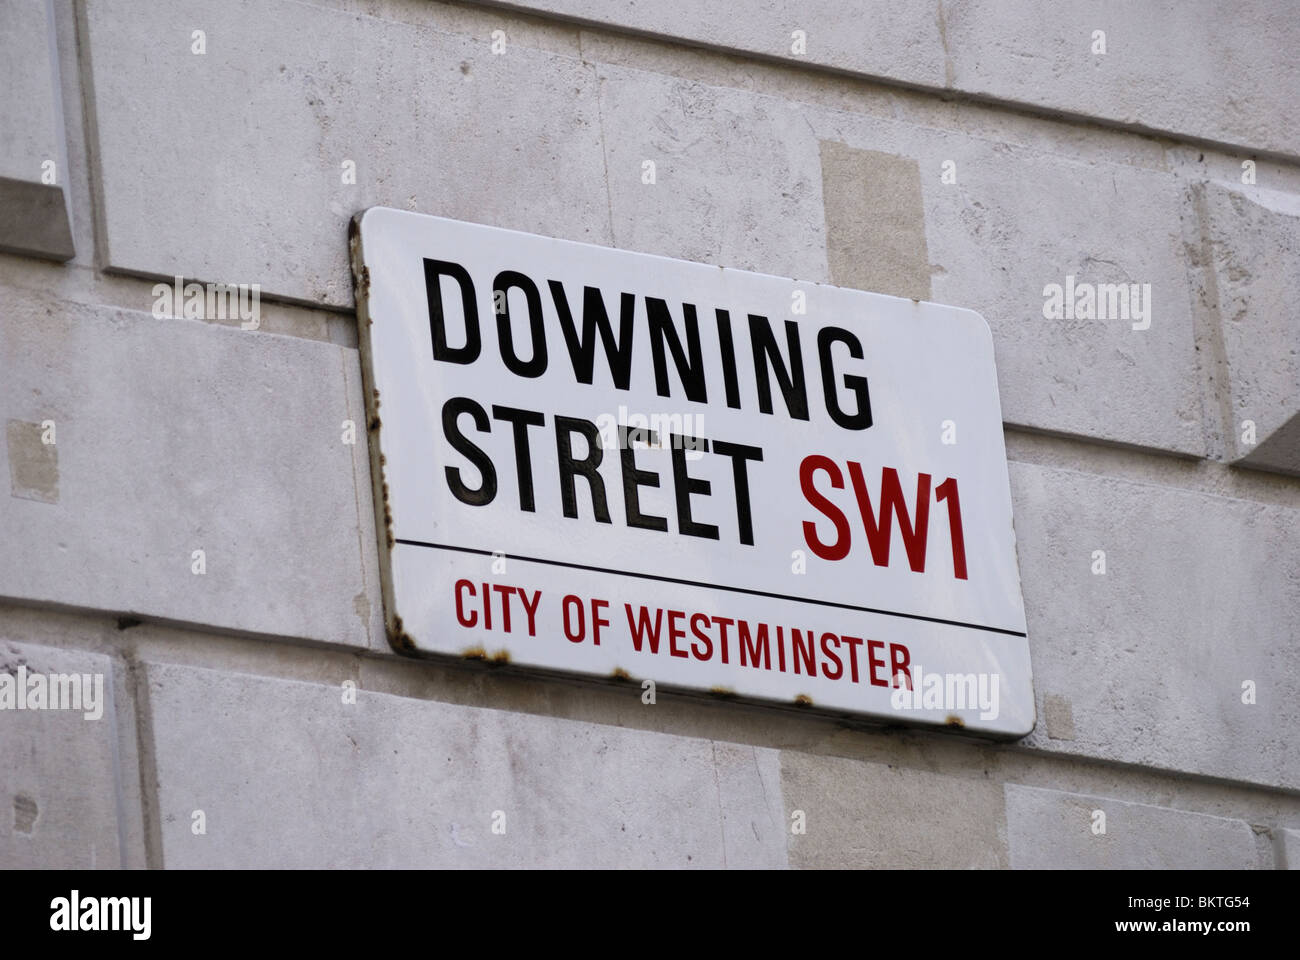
(620,465)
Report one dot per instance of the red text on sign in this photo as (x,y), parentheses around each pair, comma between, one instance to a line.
(878,516)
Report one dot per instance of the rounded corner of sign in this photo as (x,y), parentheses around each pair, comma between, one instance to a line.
(359,218)
(364,220)
(399,640)
(981,324)
(1018,733)
(1027,725)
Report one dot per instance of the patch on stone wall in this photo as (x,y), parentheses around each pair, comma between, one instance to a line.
(875,221)
(33,463)
(25,813)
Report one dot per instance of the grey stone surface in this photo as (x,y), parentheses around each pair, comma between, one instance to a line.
(1289,849)
(737,176)
(1052,830)
(1201,595)
(890,816)
(58,775)
(288,775)
(174,436)
(873,37)
(753,818)
(34,211)
(1196,68)
(433,121)
(1018,220)
(1247,260)
(28,110)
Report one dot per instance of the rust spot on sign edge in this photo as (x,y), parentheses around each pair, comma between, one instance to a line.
(400,641)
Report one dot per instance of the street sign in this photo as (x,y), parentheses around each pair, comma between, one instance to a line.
(626,466)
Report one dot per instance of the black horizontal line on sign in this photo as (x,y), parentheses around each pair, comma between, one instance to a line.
(711,586)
